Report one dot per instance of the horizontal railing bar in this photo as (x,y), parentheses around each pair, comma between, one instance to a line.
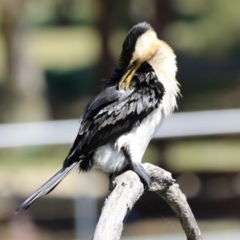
(184,124)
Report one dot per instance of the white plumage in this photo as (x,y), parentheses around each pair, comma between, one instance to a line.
(110,158)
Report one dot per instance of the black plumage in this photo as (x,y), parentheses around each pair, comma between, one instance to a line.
(130,43)
(113,113)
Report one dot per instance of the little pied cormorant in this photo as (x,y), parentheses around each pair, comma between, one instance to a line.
(118,124)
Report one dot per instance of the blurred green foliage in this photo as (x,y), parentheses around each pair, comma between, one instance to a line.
(207,29)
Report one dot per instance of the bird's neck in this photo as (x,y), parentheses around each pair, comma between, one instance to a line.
(164,65)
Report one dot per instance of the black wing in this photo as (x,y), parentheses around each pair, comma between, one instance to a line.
(115,112)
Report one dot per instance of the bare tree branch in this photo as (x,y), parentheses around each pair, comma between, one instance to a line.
(128,189)
(175,199)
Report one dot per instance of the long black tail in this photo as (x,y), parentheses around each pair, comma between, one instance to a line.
(47,187)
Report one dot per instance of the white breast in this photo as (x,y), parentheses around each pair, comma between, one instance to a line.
(110,157)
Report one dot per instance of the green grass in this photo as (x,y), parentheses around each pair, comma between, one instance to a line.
(204,155)
(33,156)
(196,155)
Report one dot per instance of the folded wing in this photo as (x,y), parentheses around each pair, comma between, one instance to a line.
(106,118)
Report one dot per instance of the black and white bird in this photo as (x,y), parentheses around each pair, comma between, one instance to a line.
(118,124)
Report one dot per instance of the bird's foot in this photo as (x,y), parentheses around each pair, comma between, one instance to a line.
(143,175)
(138,169)
(112,177)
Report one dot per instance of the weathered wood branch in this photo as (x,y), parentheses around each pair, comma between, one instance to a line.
(128,189)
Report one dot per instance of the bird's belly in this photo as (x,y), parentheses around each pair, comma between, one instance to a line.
(110,157)
(138,139)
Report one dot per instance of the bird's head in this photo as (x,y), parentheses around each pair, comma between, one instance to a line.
(142,45)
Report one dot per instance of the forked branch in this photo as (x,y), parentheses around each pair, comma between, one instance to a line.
(128,189)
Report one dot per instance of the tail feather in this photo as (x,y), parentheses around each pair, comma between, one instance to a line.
(47,187)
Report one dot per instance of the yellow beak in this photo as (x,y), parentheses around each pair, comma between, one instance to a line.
(129,75)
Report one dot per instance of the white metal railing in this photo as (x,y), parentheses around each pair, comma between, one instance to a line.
(185,124)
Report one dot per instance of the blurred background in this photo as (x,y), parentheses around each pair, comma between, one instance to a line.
(53,56)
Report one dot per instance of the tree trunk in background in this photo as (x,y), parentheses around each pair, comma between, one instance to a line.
(22,97)
(162,16)
(105,27)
